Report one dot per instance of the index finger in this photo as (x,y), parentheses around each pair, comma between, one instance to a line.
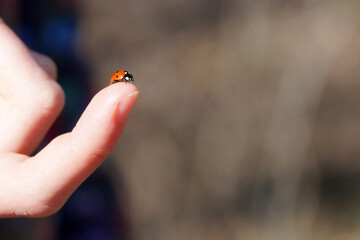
(58,169)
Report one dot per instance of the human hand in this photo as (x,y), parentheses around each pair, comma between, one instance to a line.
(30,100)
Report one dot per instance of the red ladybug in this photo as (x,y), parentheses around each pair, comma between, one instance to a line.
(122,76)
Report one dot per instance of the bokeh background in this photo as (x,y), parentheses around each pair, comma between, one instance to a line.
(247,125)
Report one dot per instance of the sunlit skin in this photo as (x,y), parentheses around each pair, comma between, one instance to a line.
(30,101)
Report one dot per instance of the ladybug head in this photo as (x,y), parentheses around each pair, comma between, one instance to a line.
(128,77)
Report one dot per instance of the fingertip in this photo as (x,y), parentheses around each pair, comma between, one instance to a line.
(105,116)
(121,89)
(126,104)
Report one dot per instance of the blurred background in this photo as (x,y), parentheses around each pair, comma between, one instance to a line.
(247,125)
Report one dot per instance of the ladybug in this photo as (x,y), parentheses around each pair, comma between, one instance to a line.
(122,76)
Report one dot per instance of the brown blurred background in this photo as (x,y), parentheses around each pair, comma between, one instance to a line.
(248,120)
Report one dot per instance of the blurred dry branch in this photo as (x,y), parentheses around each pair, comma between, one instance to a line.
(246,109)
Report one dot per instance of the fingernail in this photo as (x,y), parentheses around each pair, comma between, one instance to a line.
(126,104)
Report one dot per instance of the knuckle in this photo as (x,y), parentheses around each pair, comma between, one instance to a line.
(34,203)
(37,210)
(47,64)
(51,97)
(99,154)
(79,146)
(50,67)
(44,100)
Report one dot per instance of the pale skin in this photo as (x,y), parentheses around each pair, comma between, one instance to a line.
(30,101)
